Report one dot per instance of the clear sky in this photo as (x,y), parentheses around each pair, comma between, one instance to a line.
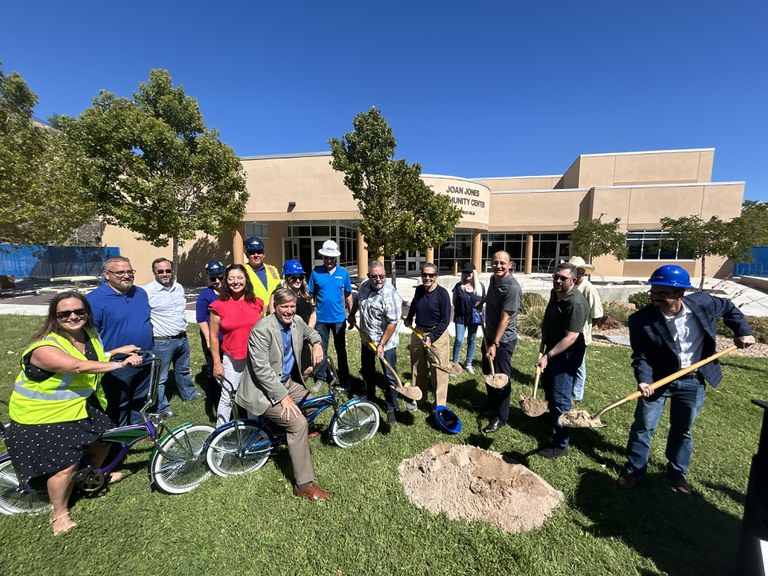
(471,89)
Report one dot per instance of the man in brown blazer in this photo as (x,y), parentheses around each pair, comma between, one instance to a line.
(272,385)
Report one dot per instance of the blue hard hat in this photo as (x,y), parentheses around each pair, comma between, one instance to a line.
(253,243)
(214,267)
(671,275)
(292,268)
(447,420)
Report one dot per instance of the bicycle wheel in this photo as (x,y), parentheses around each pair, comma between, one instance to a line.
(17,500)
(177,464)
(233,451)
(354,424)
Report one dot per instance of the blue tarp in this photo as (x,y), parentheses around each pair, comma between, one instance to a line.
(44,263)
(758,266)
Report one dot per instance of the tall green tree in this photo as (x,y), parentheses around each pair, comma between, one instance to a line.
(752,225)
(701,239)
(592,238)
(155,168)
(40,201)
(398,210)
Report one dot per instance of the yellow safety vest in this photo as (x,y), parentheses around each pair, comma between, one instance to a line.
(60,398)
(261,291)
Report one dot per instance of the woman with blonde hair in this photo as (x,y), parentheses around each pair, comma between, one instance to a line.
(466,316)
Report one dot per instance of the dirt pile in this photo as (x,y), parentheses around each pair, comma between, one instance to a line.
(469,483)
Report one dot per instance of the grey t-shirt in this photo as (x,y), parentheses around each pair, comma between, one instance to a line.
(503,295)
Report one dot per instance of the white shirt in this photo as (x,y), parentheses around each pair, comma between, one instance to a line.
(167,308)
(688,336)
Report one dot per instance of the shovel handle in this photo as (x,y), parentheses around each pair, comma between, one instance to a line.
(536,378)
(375,348)
(667,379)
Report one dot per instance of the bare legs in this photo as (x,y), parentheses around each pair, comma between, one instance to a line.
(59,489)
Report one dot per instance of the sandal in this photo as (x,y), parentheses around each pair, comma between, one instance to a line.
(65,516)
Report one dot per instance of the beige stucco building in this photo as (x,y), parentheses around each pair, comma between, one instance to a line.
(297,201)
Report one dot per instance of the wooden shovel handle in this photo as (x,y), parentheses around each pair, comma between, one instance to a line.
(375,348)
(668,379)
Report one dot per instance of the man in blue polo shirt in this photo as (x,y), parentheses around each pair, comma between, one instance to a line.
(332,289)
(122,315)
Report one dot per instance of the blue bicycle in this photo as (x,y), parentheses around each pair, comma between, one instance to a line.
(243,446)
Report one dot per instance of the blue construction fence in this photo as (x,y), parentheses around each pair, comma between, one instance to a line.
(41,263)
(758,266)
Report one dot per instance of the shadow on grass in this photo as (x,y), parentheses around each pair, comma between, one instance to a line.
(679,534)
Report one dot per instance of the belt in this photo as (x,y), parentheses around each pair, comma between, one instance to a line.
(179,335)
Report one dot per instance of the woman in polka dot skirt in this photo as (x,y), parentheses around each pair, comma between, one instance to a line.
(57,407)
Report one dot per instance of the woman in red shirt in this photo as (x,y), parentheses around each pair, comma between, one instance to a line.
(233,315)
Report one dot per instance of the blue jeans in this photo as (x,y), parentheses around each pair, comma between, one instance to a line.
(174,350)
(339,330)
(368,371)
(581,380)
(126,390)
(686,398)
(557,381)
(471,332)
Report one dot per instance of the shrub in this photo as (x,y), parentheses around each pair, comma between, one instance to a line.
(640,299)
(617,312)
(529,324)
(531,299)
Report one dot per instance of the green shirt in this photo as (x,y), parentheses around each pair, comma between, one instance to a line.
(566,315)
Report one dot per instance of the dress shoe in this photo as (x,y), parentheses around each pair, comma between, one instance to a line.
(493,426)
(553,453)
(311,492)
(626,482)
(680,484)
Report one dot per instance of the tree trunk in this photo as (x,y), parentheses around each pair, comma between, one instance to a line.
(703,269)
(393,271)
(175,257)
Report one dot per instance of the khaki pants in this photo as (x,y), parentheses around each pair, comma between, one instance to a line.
(296,431)
(424,359)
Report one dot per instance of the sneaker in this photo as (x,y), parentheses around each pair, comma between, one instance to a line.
(553,453)
(680,484)
(167,414)
(469,369)
(412,406)
(391,417)
(195,396)
(625,481)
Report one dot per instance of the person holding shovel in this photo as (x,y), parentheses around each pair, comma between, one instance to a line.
(563,342)
(502,303)
(431,309)
(586,287)
(671,333)
(380,308)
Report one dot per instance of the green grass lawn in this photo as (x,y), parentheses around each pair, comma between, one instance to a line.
(254,525)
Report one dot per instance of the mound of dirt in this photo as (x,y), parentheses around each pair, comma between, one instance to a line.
(469,483)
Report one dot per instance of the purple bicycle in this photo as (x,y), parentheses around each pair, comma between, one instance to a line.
(176,464)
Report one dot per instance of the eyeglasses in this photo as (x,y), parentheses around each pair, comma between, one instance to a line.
(377,276)
(561,277)
(661,293)
(166,271)
(427,275)
(215,278)
(295,278)
(121,273)
(254,252)
(499,263)
(64,314)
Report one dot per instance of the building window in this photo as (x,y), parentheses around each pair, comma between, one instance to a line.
(253,229)
(651,245)
(548,250)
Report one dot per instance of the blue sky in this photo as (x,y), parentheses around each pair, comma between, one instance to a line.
(471,89)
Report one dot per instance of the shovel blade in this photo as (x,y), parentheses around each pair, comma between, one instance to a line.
(533,407)
(579,419)
(411,392)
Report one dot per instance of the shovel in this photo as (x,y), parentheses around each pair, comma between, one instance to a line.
(453,369)
(494,380)
(531,406)
(581,418)
(408,390)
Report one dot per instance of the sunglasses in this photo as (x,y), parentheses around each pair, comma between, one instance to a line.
(166,271)
(295,278)
(254,252)
(499,263)
(467,273)
(215,278)
(121,273)
(64,314)
(377,276)
(561,277)
(427,275)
